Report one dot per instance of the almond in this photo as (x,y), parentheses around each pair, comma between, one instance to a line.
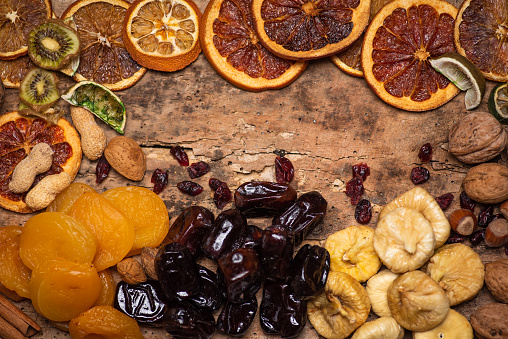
(126,157)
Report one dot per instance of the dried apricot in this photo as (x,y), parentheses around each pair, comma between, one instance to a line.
(108,289)
(14,275)
(104,322)
(113,230)
(51,235)
(146,210)
(64,200)
(60,289)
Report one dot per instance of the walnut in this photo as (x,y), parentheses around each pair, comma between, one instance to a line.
(487,183)
(131,271)
(489,322)
(496,279)
(477,138)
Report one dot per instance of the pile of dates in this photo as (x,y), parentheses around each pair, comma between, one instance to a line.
(248,257)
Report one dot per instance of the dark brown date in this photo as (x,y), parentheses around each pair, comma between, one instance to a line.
(253,238)
(142,302)
(190,228)
(227,235)
(263,198)
(235,319)
(302,217)
(184,321)
(309,271)
(277,248)
(209,296)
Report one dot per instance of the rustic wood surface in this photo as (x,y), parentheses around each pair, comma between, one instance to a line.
(326,121)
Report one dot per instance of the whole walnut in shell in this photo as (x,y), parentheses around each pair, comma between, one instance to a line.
(489,322)
(477,138)
(487,183)
(496,279)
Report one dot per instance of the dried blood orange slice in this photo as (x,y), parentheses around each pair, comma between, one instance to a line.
(18,134)
(17,18)
(14,71)
(309,29)
(481,35)
(162,34)
(397,46)
(234,51)
(103,56)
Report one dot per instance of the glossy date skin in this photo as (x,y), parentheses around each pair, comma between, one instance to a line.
(235,319)
(263,198)
(228,234)
(209,296)
(184,321)
(277,248)
(143,302)
(240,275)
(177,272)
(302,217)
(281,312)
(309,271)
(253,238)
(190,228)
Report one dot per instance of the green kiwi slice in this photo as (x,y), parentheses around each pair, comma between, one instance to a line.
(39,89)
(53,44)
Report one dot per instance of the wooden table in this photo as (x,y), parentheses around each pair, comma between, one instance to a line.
(326,121)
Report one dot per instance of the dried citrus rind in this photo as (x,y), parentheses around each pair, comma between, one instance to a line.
(162,34)
(395,61)
(14,71)
(309,29)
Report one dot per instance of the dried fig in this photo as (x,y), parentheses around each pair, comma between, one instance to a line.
(455,326)
(487,183)
(489,322)
(477,138)
(496,279)
(377,290)
(385,327)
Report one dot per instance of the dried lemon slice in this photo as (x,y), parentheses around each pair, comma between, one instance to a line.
(162,34)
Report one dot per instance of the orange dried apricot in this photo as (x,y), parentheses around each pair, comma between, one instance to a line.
(51,235)
(14,275)
(146,210)
(108,289)
(64,200)
(113,230)
(61,290)
(104,322)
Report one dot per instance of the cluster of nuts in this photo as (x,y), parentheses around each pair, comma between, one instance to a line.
(134,272)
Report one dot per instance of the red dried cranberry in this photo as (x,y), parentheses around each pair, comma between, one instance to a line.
(198,169)
(455,238)
(189,187)
(284,170)
(362,170)
(159,180)
(478,236)
(485,216)
(222,195)
(179,154)
(354,189)
(214,183)
(419,175)
(444,200)
(102,169)
(425,153)
(363,212)
(466,202)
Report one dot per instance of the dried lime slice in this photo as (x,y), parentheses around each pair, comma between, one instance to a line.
(498,102)
(99,100)
(464,74)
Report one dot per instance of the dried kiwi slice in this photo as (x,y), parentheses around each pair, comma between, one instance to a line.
(39,89)
(52,44)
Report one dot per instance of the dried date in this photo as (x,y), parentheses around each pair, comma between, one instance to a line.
(227,234)
(263,198)
(235,318)
(309,271)
(284,170)
(142,302)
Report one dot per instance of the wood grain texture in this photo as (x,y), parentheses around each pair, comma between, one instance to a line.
(326,121)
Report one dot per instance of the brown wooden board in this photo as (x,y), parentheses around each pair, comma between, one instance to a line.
(326,121)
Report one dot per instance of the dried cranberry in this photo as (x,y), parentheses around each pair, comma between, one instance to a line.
(354,189)
(478,236)
(455,238)
(102,169)
(363,212)
(362,170)
(419,175)
(444,200)
(222,195)
(190,188)
(425,153)
(179,154)
(159,180)
(284,170)
(214,183)
(485,216)
(466,202)
(198,169)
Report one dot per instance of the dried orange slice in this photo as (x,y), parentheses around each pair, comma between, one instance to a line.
(481,35)
(309,29)
(17,18)
(232,48)
(14,71)
(103,56)
(397,46)
(162,34)
(18,134)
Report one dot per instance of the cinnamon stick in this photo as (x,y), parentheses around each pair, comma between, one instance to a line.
(16,318)
(9,293)
(7,331)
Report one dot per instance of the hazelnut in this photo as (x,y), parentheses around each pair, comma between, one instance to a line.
(148,261)
(131,271)
(496,234)
(463,221)
(496,279)
(503,208)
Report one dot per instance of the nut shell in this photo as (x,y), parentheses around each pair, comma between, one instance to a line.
(126,157)
(489,322)
(487,183)
(477,138)
(496,279)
